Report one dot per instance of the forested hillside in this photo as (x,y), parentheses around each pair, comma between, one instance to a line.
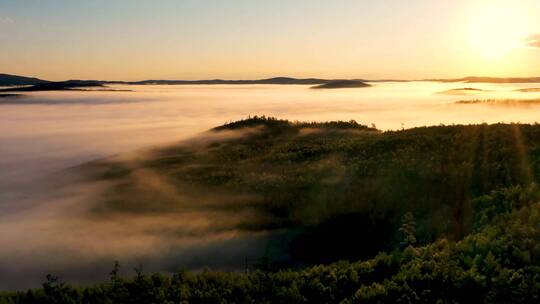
(445,214)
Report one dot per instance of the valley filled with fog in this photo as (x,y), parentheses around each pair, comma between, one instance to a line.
(45,133)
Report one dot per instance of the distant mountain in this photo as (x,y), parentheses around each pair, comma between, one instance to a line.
(275,80)
(462,91)
(476,79)
(14,80)
(56,86)
(342,84)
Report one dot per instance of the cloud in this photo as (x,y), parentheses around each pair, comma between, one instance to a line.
(533,41)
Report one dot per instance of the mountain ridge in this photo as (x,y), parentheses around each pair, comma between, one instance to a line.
(16,80)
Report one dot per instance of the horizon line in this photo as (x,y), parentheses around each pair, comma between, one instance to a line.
(382,79)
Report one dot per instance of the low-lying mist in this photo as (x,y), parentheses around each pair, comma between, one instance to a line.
(73,224)
(45,131)
(55,219)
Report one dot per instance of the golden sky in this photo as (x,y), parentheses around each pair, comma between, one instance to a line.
(232,39)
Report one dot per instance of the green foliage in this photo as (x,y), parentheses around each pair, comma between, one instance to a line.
(447,214)
(408,230)
(498,264)
(323,182)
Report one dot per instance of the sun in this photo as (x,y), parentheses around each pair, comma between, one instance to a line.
(498,28)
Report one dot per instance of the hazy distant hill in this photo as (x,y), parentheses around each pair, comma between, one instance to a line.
(342,84)
(275,80)
(14,80)
(56,86)
(475,79)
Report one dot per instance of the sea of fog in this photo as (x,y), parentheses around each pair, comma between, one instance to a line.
(47,132)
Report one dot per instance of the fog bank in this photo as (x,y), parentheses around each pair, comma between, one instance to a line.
(45,229)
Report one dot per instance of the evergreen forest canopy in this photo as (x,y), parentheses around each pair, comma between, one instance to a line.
(444,214)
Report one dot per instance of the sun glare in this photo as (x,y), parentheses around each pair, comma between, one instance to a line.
(498,28)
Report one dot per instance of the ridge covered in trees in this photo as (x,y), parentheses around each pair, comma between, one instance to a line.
(445,214)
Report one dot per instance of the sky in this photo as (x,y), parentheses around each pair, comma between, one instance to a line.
(248,39)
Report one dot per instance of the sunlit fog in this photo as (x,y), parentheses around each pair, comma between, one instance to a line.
(46,133)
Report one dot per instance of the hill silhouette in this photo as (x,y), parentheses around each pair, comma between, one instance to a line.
(479,79)
(70,85)
(342,84)
(274,80)
(14,80)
